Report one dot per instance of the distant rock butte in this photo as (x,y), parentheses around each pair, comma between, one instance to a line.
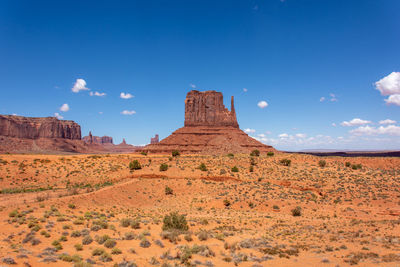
(155,139)
(34,128)
(90,139)
(209,128)
(207,109)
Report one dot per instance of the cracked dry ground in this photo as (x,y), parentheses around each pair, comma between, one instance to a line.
(88,210)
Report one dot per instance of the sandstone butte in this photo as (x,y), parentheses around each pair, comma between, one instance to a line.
(209,128)
(97,139)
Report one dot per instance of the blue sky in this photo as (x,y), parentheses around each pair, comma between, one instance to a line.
(315,63)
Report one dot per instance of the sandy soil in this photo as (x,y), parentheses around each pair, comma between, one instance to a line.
(51,206)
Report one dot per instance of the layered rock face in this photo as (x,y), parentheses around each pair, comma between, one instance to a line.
(155,139)
(90,139)
(207,109)
(209,128)
(34,128)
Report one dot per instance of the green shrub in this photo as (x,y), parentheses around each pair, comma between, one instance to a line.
(322,163)
(251,169)
(163,167)
(235,169)
(348,164)
(296,211)
(98,251)
(110,243)
(230,155)
(356,166)
(175,221)
(78,247)
(116,251)
(255,153)
(87,239)
(270,154)
(203,167)
(143,153)
(227,203)
(135,165)
(285,162)
(168,190)
(176,153)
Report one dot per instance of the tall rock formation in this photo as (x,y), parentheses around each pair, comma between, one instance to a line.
(34,128)
(155,139)
(207,109)
(209,128)
(90,139)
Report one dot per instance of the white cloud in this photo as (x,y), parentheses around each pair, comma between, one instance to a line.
(262,104)
(334,124)
(393,99)
(387,121)
(322,99)
(367,130)
(64,108)
(80,84)
(58,116)
(248,130)
(126,96)
(283,135)
(128,112)
(355,122)
(389,85)
(333,97)
(301,135)
(100,112)
(193,85)
(261,135)
(97,94)
(245,90)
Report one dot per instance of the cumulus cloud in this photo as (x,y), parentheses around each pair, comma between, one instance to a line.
(283,135)
(355,122)
(322,99)
(245,90)
(393,99)
(192,85)
(389,85)
(248,130)
(368,130)
(58,116)
(333,97)
(387,121)
(97,94)
(301,135)
(80,84)
(64,108)
(334,124)
(126,96)
(262,104)
(128,112)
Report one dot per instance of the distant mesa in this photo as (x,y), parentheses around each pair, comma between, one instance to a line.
(90,139)
(35,128)
(155,139)
(209,128)
(48,135)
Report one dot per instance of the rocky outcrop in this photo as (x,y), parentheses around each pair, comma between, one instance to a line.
(207,109)
(90,139)
(35,128)
(155,139)
(210,128)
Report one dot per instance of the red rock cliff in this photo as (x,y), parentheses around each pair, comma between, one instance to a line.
(34,128)
(207,109)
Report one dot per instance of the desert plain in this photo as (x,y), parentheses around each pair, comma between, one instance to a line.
(272,209)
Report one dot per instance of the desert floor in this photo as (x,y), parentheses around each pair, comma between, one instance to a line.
(84,210)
